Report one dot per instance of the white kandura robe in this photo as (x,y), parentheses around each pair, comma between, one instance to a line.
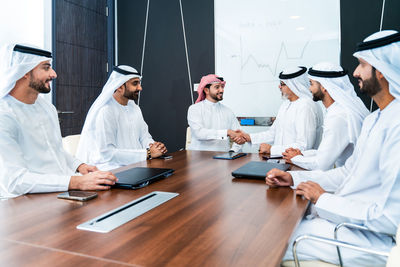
(335,147)
(366,191)
(209,123)
(32,158)
(120,137)
(298,124)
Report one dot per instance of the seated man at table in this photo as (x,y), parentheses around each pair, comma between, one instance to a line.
(115,133)
(299,119)
(32,159)
(366,190)
(212,123)
(345,113)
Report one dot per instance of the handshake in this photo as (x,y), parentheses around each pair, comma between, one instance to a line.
(239,136)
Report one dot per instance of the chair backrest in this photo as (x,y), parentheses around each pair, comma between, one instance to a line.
(188,138)
(70,143)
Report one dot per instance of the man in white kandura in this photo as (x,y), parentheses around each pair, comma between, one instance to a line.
(366,190)
(345,113)
(115,133)
(212,123)
(298,123)
(32,159)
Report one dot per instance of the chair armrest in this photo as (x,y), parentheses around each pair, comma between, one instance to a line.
(333,242)
(353,226)
(359,227)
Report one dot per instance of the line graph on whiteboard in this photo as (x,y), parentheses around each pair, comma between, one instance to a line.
(255,42)
(255,69)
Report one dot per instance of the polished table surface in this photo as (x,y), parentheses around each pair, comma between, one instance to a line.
(216,220)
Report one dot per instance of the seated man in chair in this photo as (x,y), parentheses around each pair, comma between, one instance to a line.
(212,123)
(366,190)
(299,119)
(32,159)
(115,133)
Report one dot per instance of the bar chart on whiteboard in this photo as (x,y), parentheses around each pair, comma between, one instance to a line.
(256,39)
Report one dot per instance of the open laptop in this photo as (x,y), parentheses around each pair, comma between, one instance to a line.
(258,169)
(139,177)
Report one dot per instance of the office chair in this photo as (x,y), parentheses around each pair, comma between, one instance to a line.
(188,138)
(394,255)
(70,143)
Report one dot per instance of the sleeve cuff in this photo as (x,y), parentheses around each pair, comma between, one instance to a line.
(309,153)
(236,148)
(75,164)
(276,151)
(254,137)
(296,178)
(222,134)
(323,200)
(64,183)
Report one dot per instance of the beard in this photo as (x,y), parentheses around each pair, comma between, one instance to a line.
(40,86)
(132,95)
(318,96)
(217,97)
(371,86)
(284,96)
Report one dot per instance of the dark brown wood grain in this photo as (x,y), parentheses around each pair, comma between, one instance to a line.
(215,221)
(80,53)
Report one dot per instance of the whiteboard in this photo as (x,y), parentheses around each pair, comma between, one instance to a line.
(256,39)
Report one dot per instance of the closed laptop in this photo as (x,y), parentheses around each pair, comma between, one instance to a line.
(258,169)
(139,177)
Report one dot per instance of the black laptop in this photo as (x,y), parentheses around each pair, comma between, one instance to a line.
(139,177)
(258,169)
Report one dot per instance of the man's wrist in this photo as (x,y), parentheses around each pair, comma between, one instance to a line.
(80,165)
(148,153)
(73,182)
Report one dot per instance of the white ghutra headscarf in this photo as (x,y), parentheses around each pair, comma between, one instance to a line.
(296,79)
(16,61)
(336,81)
(382,51)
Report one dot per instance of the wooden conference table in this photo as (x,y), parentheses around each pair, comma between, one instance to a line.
(215,221)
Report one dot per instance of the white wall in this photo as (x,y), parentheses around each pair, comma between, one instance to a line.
(256,39)
(26,22)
